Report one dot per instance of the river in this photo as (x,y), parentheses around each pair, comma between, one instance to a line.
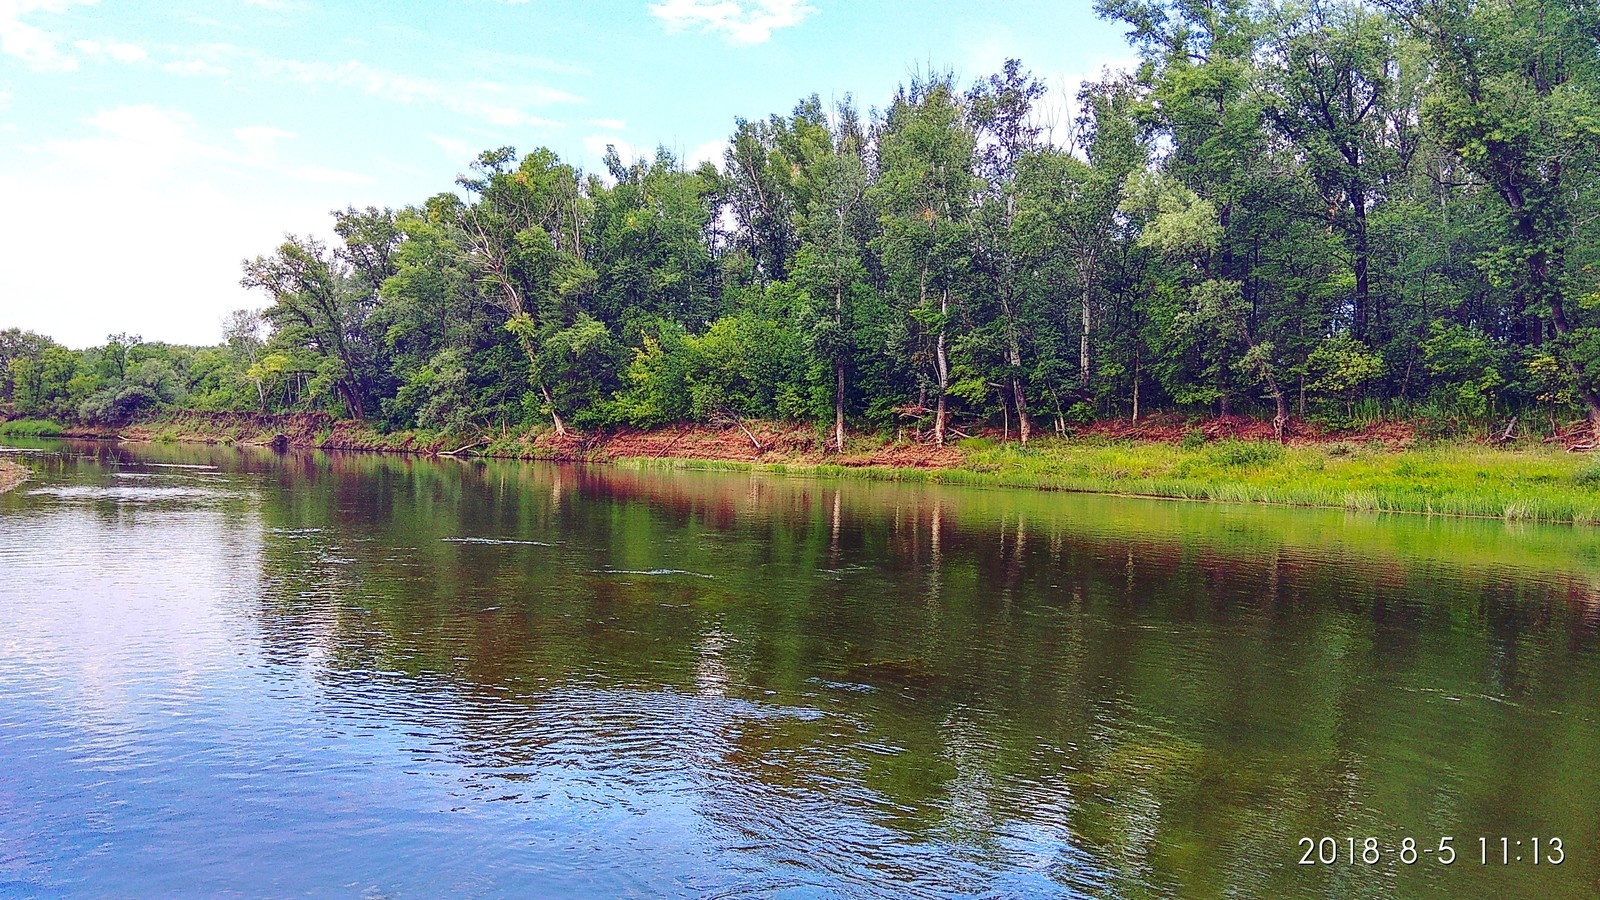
(229,670)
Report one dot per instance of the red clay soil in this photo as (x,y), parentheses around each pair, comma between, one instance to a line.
(754,442)
(1172,428)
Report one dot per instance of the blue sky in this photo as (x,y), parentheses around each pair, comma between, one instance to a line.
(147,146)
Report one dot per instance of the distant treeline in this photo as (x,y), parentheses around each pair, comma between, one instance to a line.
(1326,209)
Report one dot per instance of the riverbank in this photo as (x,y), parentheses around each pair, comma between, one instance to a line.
(1383,469)
(11,475)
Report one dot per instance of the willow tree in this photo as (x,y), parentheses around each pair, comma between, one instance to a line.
(316,307)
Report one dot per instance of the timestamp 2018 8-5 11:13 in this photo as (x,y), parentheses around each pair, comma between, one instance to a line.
(1504,851)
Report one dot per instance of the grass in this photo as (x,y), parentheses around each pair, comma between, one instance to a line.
(1524,484)
(31,428)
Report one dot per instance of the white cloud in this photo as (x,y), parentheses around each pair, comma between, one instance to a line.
(498,104)
(608,124)
(460,151)
(597,144)
(176,205)
(1057,110)
(5,100)
(193,67)
(738,21)
(325,175)
(35,46)
(260,142)
(710,151)
(116,51)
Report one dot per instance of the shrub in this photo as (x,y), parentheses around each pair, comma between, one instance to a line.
(1588,476)
(31,428)
(1246,453)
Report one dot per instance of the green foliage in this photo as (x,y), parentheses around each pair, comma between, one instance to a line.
(1245,454)
(31,428)
(1589,475)
(1467,365)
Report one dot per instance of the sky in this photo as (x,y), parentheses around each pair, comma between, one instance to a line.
(148,147)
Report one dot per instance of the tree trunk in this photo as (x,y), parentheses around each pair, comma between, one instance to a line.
(1083,346)
(838,371)
(1542,283)
(561,427)
(943,363)
(838,406)
(1591,399)
(1024,426)
(1135,385)
(1363,303)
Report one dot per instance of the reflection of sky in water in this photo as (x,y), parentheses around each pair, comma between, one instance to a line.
(152,747)
(425,680)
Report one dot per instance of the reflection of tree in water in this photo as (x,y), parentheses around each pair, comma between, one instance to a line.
(1136,699)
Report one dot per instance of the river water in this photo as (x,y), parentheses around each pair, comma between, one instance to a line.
(226,670)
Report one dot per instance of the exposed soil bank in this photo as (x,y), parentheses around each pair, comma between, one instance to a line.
(1381,469)
(752,442)
(11,475)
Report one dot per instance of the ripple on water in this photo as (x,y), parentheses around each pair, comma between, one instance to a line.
(482,540)
(130,493)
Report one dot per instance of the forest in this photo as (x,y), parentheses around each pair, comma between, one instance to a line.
(1328,211)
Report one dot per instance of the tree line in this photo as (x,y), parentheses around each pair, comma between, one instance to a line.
(1327,209)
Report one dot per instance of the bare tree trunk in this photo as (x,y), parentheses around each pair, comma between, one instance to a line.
(561,427)
(1083,346)
(1136,384)
(1024,426)
(838,371)
(838,406)
(943,364)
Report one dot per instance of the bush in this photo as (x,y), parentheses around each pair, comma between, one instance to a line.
(1193,440)
(1588,476)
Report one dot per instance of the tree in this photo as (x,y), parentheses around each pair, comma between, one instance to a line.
(1335,90)
(1514,94)
(315,308)
(924,193)
(524,239)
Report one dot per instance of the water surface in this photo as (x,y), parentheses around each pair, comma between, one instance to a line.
(224,670)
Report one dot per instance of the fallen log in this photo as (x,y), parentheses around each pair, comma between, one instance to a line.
(460,450)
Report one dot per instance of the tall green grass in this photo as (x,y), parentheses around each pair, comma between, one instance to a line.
(1526,484)
(31,428)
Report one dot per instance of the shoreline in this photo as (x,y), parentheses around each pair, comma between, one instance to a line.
(1387,472)
(12,475)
